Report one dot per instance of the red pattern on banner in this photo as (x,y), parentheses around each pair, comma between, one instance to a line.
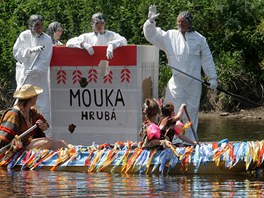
(108,77)
(125,75)
(76,76)
(92,75)
(61,76)
(64,56)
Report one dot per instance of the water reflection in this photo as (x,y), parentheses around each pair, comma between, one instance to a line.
(62,184)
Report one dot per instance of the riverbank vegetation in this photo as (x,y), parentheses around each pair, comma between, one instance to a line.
(234,30)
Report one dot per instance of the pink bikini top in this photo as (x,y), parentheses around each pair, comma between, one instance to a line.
(153,131)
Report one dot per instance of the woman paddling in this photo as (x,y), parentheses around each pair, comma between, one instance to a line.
(22,116)
(150,132)
(170,125)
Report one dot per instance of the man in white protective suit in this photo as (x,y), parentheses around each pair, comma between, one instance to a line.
(188,51)
(99,37)
(32,51)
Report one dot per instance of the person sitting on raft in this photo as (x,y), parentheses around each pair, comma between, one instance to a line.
(150,132)
(171,126)
(22,116)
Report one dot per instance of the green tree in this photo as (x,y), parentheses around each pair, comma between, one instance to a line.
(233,28)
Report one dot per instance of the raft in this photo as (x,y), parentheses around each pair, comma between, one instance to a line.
(223,157)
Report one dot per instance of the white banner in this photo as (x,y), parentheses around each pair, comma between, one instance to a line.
(98,104)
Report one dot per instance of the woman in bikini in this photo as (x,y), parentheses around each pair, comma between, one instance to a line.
(171,126)
(150,131)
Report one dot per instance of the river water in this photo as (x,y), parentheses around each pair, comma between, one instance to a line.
(71,184)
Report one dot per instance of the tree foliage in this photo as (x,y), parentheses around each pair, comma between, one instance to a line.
(234,30)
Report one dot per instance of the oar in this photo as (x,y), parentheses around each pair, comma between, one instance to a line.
(30,68)
(175,152)
(238,97)
(20,136)
(193,131)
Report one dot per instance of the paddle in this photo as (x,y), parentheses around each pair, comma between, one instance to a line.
(30,68)
(238,97)
(179,156)
(20,136)
(193,131)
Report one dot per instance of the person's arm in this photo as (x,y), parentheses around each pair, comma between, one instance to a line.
(42,124)
(208,64)
(154,35)
(179,114)
(41,66)
(22,51)
(82,42)
(39,119)
(77,42)
(185,139)
(164,143)
(74,42)
(116,40)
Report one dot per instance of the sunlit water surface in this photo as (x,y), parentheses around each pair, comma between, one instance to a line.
(71,184)
(217,128)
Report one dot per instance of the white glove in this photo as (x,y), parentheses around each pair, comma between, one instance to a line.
(213,83)
(89,48)
(36,49)
(152,15)
(32,73)
(109,51)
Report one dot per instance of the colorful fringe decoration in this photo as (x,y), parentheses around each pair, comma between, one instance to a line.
(126,157)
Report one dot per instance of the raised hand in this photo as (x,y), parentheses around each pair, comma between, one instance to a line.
(152,15)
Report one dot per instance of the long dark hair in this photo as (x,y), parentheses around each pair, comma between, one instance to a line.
(167,109)
(21,103)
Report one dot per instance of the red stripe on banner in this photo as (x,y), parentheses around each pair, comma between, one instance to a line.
(64,56)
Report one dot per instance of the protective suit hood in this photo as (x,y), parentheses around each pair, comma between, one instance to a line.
(188,17)
(98,18)
(33,20)
(52,29)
